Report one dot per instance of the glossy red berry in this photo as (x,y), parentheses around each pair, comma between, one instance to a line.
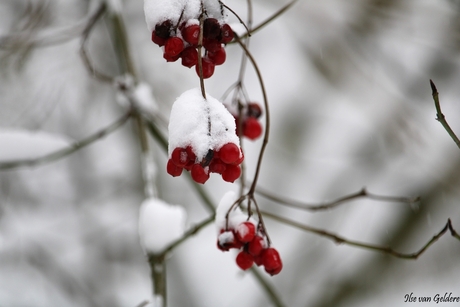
(169,58)
(217,166)
(252,128)
(189,57)
(163,29)
(158,40)
(173,169)
(199,174)
(244,260)
(212,45)
(191,34)
(227,34)
(174,46)
(256,246)
(218,57)
(271,261)
(208,68)
(190,153)
(231,173)
(229,153)
(179,156)
(254,110)
(245,232)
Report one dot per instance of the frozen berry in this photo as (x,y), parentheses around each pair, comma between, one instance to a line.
(190,153)
(179,157)
(244,260)
(218,57)
(256,246)
(191,34)
(158,40)
(226,34)
(217,166)
(271,261)
(211,28)
(252,128)
(199,174)
(245,232)
(163,30)
(173,169)
(170,58)
(231,173)
(189,57)
(174,46)
(229,153)
(212,45)
(208,68)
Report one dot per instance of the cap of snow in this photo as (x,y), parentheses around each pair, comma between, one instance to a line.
(160,224)
(200,123)
(235,217)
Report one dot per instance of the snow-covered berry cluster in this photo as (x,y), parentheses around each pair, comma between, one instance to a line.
(237,231)
(202,138)
(253,248)
(178,31)
(250,126)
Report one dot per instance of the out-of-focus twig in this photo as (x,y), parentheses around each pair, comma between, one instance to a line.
(363,193)
(52,157)
(440,117)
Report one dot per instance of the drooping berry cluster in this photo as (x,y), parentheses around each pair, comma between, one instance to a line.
(253,248)
(225,161)
(182,42)
(250,125)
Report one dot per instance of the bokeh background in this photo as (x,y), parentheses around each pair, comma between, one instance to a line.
(351,107)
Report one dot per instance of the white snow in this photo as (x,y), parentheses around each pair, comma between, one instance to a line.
(157,11)
(235,217)
(200,123)
(144,99)
(18,144)
(160,224)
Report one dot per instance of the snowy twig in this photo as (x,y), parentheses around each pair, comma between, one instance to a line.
(387,250)
(200,56)
(440,117)
(68,150)
(363,193)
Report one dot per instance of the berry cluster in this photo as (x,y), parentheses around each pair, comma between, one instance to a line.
(250,125)
(182,42)
(253,248)
(225,161)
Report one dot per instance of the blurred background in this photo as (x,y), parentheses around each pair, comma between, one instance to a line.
(351,107)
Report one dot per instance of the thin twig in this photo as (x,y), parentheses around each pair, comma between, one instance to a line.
(387,250)
(440,117)
(68,150)
(269,290)
(329,205)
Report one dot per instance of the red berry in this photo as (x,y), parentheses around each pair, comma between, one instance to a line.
(226,240)
(218,57)
(191,34)
(256,246)
(231,173)
(179,156)
(158,40)
(169,58)
(173,169)
(229,153)
(271,261)
(244,260)
(258,260)
(199,174)
(254,110)
(252,128)
(174,46)
(245,232)
(227,34)
(190,153)
(217,166)
(208,68)
(163,30)
(212,45)
(189,57)
(211,28)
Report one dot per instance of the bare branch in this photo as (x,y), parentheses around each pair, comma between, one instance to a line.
(68,150)
(440,117)
(387,250)
(329,205)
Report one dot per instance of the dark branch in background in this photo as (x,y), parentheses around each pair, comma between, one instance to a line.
(440,117)
(387,250)
(84,55)
(52,157)
(329,205)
